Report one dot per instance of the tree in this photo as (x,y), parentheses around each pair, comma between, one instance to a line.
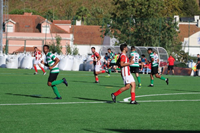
(82,13)
(140,23)
(172,7)
(50,15)
(56,47)
(21,11)
(190,8)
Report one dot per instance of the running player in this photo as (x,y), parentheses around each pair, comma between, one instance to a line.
(126,75)
(154,68)
(171,61)
(157,59)
(52,63)
(97,64)
(111,62)
(135,67)
(38,58)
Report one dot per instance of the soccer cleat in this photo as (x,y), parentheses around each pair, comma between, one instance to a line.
(44,73)
(35,73)
(167,81)
(150,85)
(65,81)
(139,86)
(113,97)
(58,98)
(134,102)
(96,82)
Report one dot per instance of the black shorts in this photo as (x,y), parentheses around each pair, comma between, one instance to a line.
(134,69)
(112,64)
(198,66)
(52,77)
(170,67)
(154,70)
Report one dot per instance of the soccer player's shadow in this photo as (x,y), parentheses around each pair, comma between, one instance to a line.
(92,99)
(33,96)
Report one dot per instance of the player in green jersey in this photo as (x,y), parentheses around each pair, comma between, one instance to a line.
(111,61)
(52,63)
(134,68)
(154,68)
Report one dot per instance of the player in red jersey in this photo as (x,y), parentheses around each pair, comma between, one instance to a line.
(38,59)
(123,61)
(97,64)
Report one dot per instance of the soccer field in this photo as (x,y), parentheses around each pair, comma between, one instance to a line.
(27,104)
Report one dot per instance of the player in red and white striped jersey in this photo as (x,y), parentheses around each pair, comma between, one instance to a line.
(126,75)
(37,61)
(97,64)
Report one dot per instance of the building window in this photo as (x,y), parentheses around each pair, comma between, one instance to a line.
(9,28)
(45,29)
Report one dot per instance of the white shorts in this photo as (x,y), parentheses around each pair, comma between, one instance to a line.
(36,62)
(128,79)
(97,68)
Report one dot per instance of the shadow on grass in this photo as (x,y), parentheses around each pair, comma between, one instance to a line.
(150,131)
(33,96)
(92,99)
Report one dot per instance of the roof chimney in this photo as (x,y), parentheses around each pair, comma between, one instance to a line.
(198,23)
(176,18)
(78,22)
(27,14)
(196,18)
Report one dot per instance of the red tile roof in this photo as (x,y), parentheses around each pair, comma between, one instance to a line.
(32,23)
(61,21)
(187,30)
(87,35)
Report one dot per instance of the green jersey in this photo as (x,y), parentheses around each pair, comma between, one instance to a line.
(155,62)
(50,59)
(135,59)
(112,55)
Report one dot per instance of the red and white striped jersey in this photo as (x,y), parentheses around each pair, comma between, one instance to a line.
(37,55)
(125,71)
(95,57)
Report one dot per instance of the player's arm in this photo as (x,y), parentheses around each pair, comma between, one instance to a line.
(123,64)
(98,58)
(44,63)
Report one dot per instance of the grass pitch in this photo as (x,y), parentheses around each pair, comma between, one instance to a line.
(27,104)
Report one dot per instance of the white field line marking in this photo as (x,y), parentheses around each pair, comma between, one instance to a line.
(167,94)
(65,103)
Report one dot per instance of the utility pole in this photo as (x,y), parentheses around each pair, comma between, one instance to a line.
(1,26)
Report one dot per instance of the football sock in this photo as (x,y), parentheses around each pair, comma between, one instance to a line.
(35,69)
(151,81)
(103,71)
(55,90)
(43,69)
(132,96)
(97,79)
(162,78)
(57,82)
(109,71)
(117,93)
(139,80)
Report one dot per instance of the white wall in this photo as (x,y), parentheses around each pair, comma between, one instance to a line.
(194,44)
(85,49)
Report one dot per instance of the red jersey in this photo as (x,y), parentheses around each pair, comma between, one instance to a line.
(37,55)
(125,71)
(95,57)
(171,61)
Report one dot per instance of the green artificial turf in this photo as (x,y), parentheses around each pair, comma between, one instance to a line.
(87,107)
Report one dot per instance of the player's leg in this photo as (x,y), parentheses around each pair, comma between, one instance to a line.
(138,77)
(133,101)
(162,78)
(35,67)
(114,95)
(42,69)
(168,70)
(51,82)
(172,70)
(151,80)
